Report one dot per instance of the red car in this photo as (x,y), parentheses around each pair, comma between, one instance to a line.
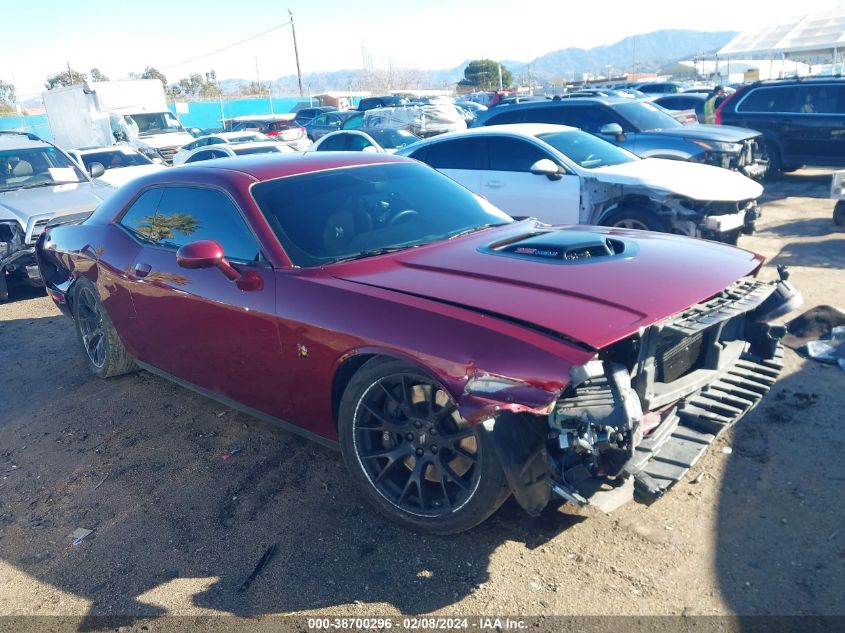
(453,354)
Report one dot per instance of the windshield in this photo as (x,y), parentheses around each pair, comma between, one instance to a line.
(327,216)
(36,167)
(587,150)
(155,123)
(645,117)
(393,139)
(115,159)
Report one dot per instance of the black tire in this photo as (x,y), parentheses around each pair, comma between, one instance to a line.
(104,352)
(634,218)
(775,169)
(411,455)
(839,213)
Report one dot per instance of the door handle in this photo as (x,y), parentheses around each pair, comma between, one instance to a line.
(495,183)
(142,270)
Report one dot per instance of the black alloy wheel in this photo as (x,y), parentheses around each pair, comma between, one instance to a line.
(414,456)
(89,317)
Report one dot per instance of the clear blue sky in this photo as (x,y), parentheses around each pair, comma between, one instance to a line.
(120,37)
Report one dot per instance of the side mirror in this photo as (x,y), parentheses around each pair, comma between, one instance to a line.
(209,254)
(547,167)
(611,129)
(96,170)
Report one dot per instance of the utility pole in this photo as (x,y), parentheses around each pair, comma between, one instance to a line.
(295,52)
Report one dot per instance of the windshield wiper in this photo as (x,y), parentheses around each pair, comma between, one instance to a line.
(373,252)
(473,229)
(49,184)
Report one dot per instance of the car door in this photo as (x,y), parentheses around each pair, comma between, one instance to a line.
(820,139)
(508,183)
(196,324)
(459,158)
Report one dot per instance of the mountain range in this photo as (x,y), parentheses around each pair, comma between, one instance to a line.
(648,52)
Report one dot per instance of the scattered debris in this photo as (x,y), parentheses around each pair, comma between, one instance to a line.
(727,450)
(79,534)
(813,324)
(102,481)
(829,349)
(230,454)
(266,558)
(221,414)
(698,477)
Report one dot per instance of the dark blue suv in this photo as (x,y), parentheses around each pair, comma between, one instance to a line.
(802,120)
(643,129)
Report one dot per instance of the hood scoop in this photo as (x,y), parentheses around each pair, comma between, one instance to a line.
(562,247)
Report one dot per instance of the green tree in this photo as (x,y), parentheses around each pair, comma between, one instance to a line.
(483,74)
(65,78)
(154,73)
(7,96)
(160,227)
(195,85)
(97,75)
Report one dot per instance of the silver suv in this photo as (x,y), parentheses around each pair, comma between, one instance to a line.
(39,184)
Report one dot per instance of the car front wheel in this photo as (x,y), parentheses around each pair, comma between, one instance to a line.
(635,219)
(412,455)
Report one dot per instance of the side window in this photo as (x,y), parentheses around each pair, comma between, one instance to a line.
(458,154)
(333,144)
(544,115)
(512,154)
(188,214)
(822,99)
(140,217)
(771,99)
(214,141)
(592,118)
(513,116)
(357,143)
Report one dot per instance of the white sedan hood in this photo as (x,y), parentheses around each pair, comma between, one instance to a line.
(691,180)
(116,177)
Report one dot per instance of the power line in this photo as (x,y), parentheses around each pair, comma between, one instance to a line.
(225,48)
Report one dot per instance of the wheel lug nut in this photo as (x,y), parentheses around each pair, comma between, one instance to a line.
(433,449)
(409,437)
(433,431)
(418,424)
(420,452)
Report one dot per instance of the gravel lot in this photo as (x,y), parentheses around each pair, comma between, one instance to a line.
(179,525)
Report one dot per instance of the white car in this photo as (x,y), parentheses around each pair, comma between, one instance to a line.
(120,163)
(562,175)
(236,149)
(380,140)
(217,139)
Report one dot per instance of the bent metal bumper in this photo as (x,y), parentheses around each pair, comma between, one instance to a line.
(638,424)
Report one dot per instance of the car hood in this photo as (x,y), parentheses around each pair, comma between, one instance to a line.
(690,180)
(120,176)
(59,200)
(169,139)
(594,301)
(706,132)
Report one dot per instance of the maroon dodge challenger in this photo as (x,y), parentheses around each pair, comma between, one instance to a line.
(453,354)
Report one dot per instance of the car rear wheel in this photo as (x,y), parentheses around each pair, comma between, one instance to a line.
(839,213)
(104,352)
(633,218)
(412,455)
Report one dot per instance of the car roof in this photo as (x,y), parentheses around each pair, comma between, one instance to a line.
(278,165)
(261,117)
(123,149)
(520,129)
(20,141)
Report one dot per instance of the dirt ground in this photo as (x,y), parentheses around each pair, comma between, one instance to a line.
(185,496)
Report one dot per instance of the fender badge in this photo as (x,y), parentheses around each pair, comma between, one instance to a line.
(301,350)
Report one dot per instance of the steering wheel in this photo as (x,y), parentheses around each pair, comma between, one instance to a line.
(401,216)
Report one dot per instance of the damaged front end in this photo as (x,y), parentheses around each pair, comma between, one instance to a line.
(633,421)
(17,255)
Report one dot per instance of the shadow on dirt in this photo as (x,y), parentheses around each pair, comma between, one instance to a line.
(804,183)
(827,254)
(781,518)
(185,496)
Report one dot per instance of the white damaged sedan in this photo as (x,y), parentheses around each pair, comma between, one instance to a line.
(562,175)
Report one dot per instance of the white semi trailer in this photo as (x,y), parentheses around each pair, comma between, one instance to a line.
(98,114)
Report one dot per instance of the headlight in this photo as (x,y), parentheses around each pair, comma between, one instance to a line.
(719,146)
